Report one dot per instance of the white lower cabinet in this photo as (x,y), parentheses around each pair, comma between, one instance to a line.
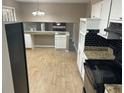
(82,67)
(60,41)
(28,41)
(81,56)
(80,62)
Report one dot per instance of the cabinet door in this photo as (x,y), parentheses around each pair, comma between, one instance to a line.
(79,61)
(96,10)
(116,10)
(60,41)
(105,11)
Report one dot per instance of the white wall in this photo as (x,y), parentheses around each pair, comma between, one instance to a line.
(54,12)
(7,82)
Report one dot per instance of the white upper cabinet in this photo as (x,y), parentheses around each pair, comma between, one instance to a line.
(101,10)
(108,11)
(105,11)
(111,11)
(116,10)
(96,10)
(104,8)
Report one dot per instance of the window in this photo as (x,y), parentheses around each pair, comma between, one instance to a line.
(8,14)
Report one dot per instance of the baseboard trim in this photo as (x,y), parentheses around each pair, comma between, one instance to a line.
(43,45)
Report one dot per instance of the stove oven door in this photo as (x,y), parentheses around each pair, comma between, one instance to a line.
(88,87)
(89,83)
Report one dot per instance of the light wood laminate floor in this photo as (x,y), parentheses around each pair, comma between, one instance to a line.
(53,71)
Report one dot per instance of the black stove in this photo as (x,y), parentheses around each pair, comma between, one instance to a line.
(100,72)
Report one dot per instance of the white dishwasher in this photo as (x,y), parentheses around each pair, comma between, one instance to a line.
(60,41)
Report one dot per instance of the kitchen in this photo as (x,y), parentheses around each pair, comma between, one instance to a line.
(49,35)
(64,43)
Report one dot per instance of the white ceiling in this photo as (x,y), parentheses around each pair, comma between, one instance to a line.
(55,1)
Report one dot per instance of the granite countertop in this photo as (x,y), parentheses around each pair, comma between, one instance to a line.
(40,32)
(46,33)
(99,53)
(113,88)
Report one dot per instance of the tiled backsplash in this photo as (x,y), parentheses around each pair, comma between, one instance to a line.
(92,39)
(48,26)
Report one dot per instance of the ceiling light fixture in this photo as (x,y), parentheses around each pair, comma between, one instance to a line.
(38,12)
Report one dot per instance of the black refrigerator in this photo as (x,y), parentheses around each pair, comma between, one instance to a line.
(17,54)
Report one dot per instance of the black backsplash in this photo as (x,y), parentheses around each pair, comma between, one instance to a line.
(116,45)
(92,39)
